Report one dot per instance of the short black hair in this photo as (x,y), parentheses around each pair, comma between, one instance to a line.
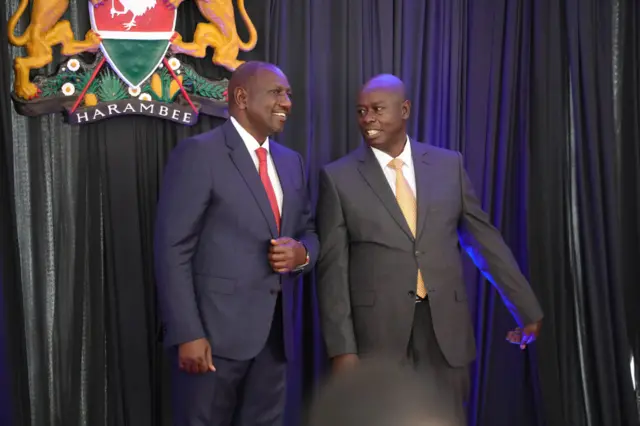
(243,74)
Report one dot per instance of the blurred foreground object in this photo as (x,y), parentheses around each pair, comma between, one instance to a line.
(381,393)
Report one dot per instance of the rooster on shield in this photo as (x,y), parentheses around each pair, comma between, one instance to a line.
(137,7)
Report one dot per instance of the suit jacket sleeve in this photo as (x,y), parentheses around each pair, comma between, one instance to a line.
(307,231)
(333,272)
(486,247)
(184,197)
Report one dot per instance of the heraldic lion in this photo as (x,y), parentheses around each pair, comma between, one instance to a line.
(219,33)
(46,29)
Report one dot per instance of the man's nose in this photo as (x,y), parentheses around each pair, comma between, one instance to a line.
(285,102)
(368,118)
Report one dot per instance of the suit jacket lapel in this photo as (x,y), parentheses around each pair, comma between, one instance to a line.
(424,177)
(243,162)
(284,174)
(370,169)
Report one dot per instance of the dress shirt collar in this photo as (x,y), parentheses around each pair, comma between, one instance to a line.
(405,155)
(251,142)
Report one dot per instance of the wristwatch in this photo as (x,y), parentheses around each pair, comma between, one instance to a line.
(306,260)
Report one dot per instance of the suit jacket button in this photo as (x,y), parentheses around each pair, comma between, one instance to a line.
(412,293)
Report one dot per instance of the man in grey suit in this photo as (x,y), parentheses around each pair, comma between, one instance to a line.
(234,232)
(391,218)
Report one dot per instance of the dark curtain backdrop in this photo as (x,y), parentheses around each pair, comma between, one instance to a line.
(541,98)
(627,108)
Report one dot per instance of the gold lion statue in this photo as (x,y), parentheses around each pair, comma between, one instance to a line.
(219,33)
(46,29)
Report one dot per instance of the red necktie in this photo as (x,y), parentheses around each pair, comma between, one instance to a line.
(264,176)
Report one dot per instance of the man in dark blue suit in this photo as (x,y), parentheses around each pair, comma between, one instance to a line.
(234,232)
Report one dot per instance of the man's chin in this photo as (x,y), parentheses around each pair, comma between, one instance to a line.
(277,126)
(277,129)
(373,141)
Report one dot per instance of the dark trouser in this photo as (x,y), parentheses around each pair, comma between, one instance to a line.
(448,387)
(238,393)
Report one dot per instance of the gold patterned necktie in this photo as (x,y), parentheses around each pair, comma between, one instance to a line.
(407,202)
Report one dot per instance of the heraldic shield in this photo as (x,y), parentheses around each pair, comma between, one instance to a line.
(135,34)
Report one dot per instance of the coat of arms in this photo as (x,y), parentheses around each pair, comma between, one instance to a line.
(134,66)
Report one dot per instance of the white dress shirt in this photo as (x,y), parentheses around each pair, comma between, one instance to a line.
(407,168)
(252,144)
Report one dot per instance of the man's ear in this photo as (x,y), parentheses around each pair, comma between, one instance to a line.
(406,109)
(240,97)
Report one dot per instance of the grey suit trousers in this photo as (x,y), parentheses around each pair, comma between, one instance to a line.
(446,386)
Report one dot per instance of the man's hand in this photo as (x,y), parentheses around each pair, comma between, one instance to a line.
(344,363)
(525,336)
(286,254)
(195,357)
